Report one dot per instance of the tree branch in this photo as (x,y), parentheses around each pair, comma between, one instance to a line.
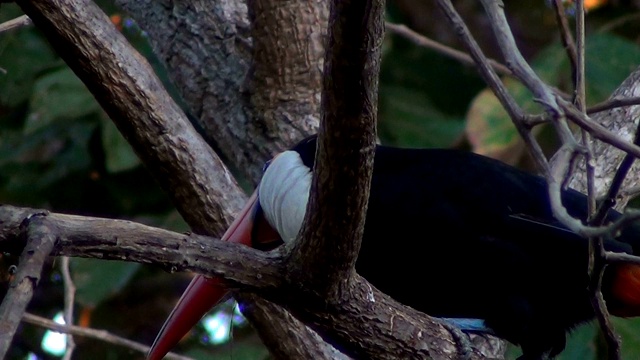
(39,243)
(392,330)
(203,190)
(334,223)
(215,55)
(186,167)
(424,41)
(92,333)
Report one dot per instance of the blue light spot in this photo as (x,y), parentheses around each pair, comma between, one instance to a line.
(53,342)
(218,326)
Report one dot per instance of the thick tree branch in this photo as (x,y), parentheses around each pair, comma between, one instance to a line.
(201,187)
(392,330)
(215,56)
(285,80)
(128,90)
(80,236)
(337,206)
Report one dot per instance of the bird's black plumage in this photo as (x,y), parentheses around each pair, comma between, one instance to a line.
(455,234)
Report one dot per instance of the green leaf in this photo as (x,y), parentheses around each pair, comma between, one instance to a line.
(23,55)
(97,280)
(629,331)
(581,343)
(489,128)
(58,95)
(609,60)
(118,152)
(409,119)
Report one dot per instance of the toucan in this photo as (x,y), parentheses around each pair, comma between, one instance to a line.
(450,233)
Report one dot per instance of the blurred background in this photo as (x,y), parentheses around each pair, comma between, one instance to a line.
(59,151)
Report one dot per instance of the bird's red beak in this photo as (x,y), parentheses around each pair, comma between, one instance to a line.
(203,292)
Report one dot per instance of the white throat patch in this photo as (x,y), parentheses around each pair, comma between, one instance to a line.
(284,193)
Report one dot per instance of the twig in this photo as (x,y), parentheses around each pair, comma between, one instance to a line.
(616,257)
(580,102)
(20,21)
(514,59)
(598,131)
(613,103)
(521,120)
(40,242)
(565,34)
(597,260)
(101,335)
(424,41)
(618,22)
(69,300)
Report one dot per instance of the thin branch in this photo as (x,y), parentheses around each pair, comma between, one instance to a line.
(580,102)
(608,27)
(458,55)
(613,103)
(615,257)
(38,247)
(101,335)
(514,59)
(565,34)
(522,121)
(596,245)
(69,301)
(598,131)
(570,147)
(18,22)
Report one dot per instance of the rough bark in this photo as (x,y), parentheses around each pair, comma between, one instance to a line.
(623,121)
(330,240)
(122,81)
(252,92)
(365,323)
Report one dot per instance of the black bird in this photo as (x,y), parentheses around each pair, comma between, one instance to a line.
(476,234)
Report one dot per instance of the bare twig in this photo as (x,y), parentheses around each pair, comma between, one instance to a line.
(598,131)
(613,103)
(424,41)
(15,23)
(565,34)
(619,22)
(69,300)
(521,120)
(580,102)
(101,335)
(39,245)
(596,246)
(514,59)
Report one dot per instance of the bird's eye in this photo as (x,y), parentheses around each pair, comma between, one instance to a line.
(266,165)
